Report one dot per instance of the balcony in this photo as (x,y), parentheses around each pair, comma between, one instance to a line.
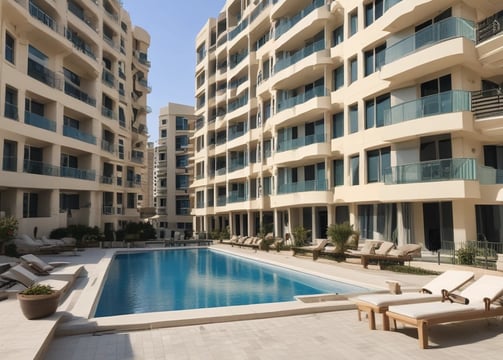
(77,173)
(107,146)
(236,131)
(238,165)
(109,113)
(490,176)
(317,91)
(75,92)
(299,55)
(39,121)
(109,180)
(287,24)
(43,74)
(489,27)
(78,12)
(40,168)
(80,44)
(43,17)
(236,196)
(487,103)
(442,103)
(79,135)
(300,142)
(430,171)
(433,34)
(221,200)
(238,29)
(108,78)
(302,186)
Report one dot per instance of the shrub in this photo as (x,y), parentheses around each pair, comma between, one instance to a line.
(466,255)
(339,234)
(38,290)
(300,235)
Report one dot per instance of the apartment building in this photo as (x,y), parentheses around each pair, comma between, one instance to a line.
(173,170)
(383,113)
(73,136)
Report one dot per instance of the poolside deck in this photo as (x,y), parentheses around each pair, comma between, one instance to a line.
(318,335)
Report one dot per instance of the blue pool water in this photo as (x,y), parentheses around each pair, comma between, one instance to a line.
(201,278)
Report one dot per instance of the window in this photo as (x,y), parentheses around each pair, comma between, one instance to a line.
(353,118)
(162,156)
(71,77)
(131,200)
(163,182)
(182,123)
(122,117)
(30,205)
(182,205)
(9,156)
(378,164)
(11,103)
(164,133)
(353,23)
(376,110)
(338,77)
(338,172)
(373,11)
(338,36)
(181,142)
(353,68)
(374,59)
(355,170)
(69,161)
(9,47)
(69,201)
(182,182)
(267,185)
(435,148)
(182,161)
(121,149)
(338,125)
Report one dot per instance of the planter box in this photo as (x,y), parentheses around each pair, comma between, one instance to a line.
(38,306)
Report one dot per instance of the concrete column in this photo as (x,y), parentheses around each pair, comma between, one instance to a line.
(464,221)
(276,222)
(314,224)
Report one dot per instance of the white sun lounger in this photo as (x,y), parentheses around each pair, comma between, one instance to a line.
(449,280)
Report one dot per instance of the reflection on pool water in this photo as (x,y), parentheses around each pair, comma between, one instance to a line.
(184,279)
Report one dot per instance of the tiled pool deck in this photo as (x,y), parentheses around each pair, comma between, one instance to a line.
(303,331)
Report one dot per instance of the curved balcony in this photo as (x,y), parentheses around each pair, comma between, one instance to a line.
(294,152)
(310,66)
(444,44)
(292,194)
(301,106)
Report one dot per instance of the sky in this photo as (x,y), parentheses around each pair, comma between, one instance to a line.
(173,26)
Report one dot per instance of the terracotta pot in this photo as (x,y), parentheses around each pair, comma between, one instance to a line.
(38,306)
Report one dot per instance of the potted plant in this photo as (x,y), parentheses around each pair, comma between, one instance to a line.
(339,235)
(38,301)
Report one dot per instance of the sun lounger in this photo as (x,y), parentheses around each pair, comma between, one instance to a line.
(25,277)
(25,245)
(478,301)
(314,249)
(57,270)
(399,255)
(371,304)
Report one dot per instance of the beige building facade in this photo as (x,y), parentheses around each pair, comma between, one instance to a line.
(73,85)
(383,113)
(173,171)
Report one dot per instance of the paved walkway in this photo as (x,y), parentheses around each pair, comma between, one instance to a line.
(313,336)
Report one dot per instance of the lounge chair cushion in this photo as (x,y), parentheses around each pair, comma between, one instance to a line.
(403,298)
(426,310)
(37,263)
(384,248)
(396,252)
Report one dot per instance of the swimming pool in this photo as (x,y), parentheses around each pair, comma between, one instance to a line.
(166,280)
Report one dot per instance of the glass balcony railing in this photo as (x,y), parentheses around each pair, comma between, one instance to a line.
(109,180)
(221,200)
(39,121)
(77,173)
(286,24)
(79,135)
(442,103)
(75,92)
(43,74)
(299,55)
(235,59)
(237,131)
(242,101)
(238,29)
(221,171)
(317,91)
(436,170)
(433,34)
(300,142)
(236,196)
(490,176)
(302,186)
(238,165)
(109,113)
(42,16)
(108,78)
(80,44)
(40,168)
(107,146)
